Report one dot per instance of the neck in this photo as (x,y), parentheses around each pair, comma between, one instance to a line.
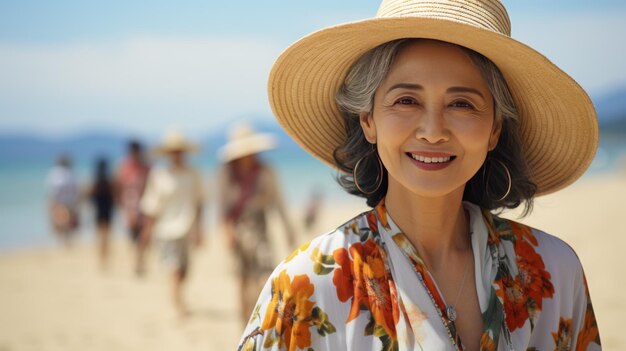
(438,227)
(178,165)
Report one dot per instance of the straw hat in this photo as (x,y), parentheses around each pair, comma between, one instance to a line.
(174,140)
(559,127)
(243,140)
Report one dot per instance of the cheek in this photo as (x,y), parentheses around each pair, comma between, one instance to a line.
(392,131)
(474,136)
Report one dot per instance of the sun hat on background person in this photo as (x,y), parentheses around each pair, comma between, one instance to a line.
(243,140)
(175,140)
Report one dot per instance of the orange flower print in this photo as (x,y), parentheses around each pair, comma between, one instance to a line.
(372,221)
(523,232)
(381,213)
(290,313)
(532,273)
(589,331)
(563,337)
(515,307)
(524,293)
(363,277)
(487,343)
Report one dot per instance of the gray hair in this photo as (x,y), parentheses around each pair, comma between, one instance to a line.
(356,95)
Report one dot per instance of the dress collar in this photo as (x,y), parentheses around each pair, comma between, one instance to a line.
(485,228)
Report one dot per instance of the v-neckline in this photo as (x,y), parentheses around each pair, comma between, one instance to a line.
(495,315)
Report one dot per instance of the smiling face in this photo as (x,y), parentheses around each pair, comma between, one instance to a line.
(432,120)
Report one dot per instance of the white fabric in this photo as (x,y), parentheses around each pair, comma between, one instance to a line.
(172,197)
(63,187)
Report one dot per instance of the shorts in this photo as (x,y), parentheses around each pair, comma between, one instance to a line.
(175,254)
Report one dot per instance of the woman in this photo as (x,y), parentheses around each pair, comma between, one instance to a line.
(249,190)
(436,133)
(131,183)
(102,198)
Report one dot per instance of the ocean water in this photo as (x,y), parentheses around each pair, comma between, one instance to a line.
(23,211)
(23,214)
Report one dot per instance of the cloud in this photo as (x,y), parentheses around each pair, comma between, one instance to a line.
(141,83)
(144,83)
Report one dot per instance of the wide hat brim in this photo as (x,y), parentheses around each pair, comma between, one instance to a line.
(558,124)
(169,148)
(249,145)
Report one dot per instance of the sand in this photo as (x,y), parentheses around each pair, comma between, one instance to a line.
(57,299)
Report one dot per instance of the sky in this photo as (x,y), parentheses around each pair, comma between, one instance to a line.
(142,67)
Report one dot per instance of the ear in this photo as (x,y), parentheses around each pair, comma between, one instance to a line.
(369,127)
(495,133)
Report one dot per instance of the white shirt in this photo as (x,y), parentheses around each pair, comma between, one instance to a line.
(172,197)
(63,187)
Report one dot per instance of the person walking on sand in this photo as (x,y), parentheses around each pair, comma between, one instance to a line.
(101,195)
(63,200)
(130,184)
(249,189)
(172,204)
(439,120)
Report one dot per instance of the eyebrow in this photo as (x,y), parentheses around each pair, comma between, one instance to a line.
(405,86)
(465,90)
(449,90)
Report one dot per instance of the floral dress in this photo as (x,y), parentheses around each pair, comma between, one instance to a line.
(363,287)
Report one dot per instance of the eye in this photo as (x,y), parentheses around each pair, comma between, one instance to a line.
(461,104)
(405,101)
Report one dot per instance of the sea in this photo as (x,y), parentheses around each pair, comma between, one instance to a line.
(23,215)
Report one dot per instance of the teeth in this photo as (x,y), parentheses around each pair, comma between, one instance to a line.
(430,159)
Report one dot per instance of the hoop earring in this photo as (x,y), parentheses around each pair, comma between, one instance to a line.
(508,175)
(379,177)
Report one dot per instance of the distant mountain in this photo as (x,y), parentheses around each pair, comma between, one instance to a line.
(34,147)
(85,147)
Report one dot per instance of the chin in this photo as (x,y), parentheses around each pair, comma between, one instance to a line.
(430,190)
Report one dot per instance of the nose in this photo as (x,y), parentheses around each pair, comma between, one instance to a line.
(432,127)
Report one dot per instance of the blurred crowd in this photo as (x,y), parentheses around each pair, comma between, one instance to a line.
(162,207)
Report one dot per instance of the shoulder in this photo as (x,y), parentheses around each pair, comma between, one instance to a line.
(558,257)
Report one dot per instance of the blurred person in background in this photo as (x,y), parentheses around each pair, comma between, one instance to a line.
(63,200)
(131,182)
(172,204)
(101,195)
(249,189)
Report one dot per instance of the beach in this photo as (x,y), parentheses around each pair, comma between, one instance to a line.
(60,299)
